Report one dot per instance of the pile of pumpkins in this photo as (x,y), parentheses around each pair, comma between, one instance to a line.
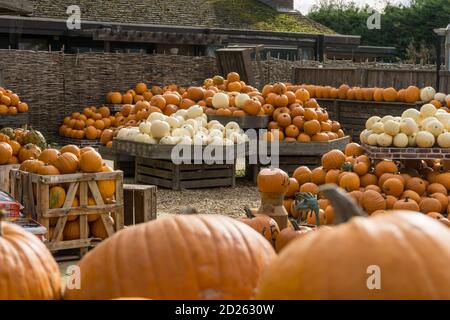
(412,94)
(298,117)
(20,144)
(68,160)
(218,257)
(422,128)
(10,103)
(420,186)
(184,127)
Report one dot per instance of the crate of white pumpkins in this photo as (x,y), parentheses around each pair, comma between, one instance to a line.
(416,134)
(73,194)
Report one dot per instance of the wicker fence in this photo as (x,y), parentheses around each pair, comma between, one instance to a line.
(56,84)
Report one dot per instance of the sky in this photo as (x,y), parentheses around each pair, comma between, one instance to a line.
(305,5)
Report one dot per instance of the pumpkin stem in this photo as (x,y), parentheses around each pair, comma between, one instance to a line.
(2,216)
(295,224)
(345,207)
(248,212)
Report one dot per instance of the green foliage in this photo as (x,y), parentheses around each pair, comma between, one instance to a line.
(408,28)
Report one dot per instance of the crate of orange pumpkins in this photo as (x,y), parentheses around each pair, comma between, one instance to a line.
(303,130)
(13,111)
(73,194)
(16,146)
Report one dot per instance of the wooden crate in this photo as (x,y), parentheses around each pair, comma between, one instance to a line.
(295,154)
(353,114)
(139,203)
(122,161)
(79,142)
(163,173)
(380,153)
(4,176)
(32,191)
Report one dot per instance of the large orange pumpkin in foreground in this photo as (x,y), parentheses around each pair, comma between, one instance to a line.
(408,251)
(181,257)
(28,270)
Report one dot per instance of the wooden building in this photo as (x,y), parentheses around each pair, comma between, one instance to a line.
(186,27)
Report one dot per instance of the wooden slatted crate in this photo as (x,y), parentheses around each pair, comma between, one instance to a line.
(163,173)
(294,154)
(33,192)
(4,176)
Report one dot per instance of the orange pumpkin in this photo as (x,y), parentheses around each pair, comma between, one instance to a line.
(66,163)
(107,187)
(91,162)
(72,149)
(333,159)
(49,155)
(273,180)
(57,196)
(6,152)
(29,151)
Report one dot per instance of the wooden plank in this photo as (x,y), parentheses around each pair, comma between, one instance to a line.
(72,244)
(204,174)
(5,184)
(107,224)
(59,228)
(194,184)
(152,171)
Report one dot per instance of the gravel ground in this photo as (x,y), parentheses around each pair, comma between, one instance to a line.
(226,201)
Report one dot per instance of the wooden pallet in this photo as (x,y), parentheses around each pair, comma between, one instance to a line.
(353,114)
(32,191)
(163,173)
(122,161)
(246,122)
(4,176)
(13,120)
(406,153)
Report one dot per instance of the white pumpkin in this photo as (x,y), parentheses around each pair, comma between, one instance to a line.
(426,121)
(365,135)
(185,140)
(408,126)
(144,127)
(132,132)
(371,121)
(168,140)
(233,126)
(372,139)
(411,113)
(192,123)
(194,112)
(174,122)
(427,110)
(212,123)
(435,128)
(156,116)
(424,139)
(200,139)
(140,137)
(201,122)
(159,129)
(427,94)
(181,113)
(400,140)
(378,127)
(440,97)
(215,140)
(220,100)
(398,119)
(150,140)
(384,140)
(181,132)
(236,137)
(241,99)
(412,140)
(391,127)
(216,133)
(122,134)
(443,140)
(443,118)
(218,127)
(189,129)
(227,142)
(386,119)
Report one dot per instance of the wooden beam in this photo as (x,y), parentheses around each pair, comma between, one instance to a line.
(16,6)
